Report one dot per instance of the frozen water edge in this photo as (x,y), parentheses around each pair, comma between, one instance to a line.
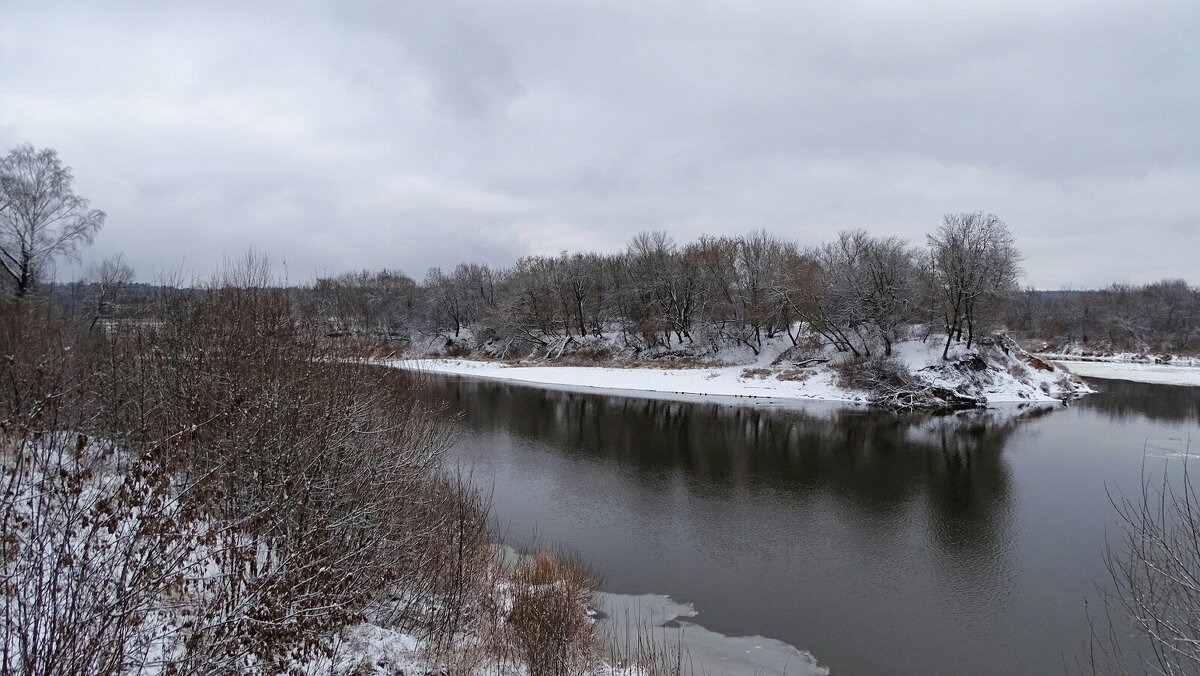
(707,651)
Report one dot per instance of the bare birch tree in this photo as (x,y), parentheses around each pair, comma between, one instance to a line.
(41,217)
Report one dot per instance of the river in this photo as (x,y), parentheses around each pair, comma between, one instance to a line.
(882,544)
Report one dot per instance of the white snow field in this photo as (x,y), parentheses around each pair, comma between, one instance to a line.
(1158,374)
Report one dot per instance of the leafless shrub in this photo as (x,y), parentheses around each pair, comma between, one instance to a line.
(94,541)
(588,355)
(794,375)
(311,465)
(309,486)
(548,624)
(1155,573)
(889,383)
(755,373)
(450,570)
(95,545)
(458,348)
(807,350)
(876,374)
(222,489)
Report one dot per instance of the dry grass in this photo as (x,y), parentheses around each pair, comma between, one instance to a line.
(589,355)
(759,373)
(794,375)
(548,625)
(602,357)
(458,349)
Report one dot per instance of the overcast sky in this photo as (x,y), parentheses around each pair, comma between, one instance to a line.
(409,134)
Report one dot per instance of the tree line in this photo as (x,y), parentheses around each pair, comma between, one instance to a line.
(1162,316)
(858,293)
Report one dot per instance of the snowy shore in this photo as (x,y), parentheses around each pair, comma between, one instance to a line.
(721,381)
(1158,374)
(623,621)
(1001,378)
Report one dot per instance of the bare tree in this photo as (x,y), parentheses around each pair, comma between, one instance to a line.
(799,289)
(973,263)
(41,217)
(891,289)
(381,304)
(859,293)
(759,255)
(1162,316)
(480,282)
(111,277)
(580,285)
(716,259)
(449,301)
(651,259)
(867,290)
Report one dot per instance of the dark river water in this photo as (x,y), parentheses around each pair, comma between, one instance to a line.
(882,544)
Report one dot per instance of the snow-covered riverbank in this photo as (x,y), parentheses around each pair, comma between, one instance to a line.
(1158,374)
(626,625)
(994,376)
(722,381)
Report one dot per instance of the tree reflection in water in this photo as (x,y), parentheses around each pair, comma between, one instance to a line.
(871,538)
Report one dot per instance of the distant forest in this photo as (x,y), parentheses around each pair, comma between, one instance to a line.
(1163,317)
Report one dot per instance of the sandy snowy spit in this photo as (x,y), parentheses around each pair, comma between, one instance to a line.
(720,381)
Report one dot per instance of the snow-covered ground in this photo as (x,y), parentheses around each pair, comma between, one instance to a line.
(368,648)
(626,624)
(1006,379)
(1158,374)
(625,620)
(71,567)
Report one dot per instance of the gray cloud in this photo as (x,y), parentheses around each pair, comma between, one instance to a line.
(405,135)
